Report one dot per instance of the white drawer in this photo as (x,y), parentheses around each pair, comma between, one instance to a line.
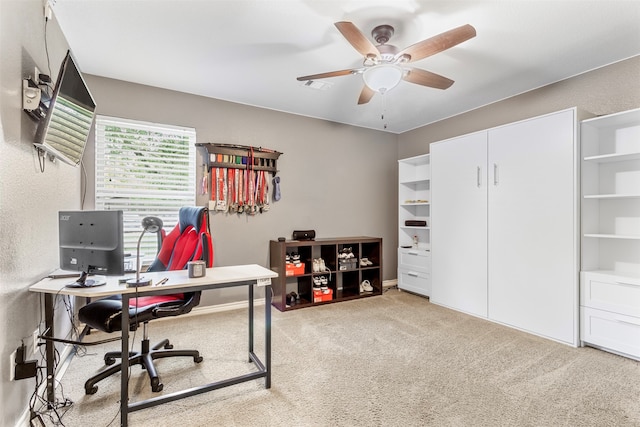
(414,281)
(613,331)
(611,293)
(415,259)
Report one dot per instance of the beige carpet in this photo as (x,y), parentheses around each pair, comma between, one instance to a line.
(393,360)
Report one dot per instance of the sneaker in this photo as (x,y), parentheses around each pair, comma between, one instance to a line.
(316,265)
(317,282)
(365,286)
(288,258)
(295,258)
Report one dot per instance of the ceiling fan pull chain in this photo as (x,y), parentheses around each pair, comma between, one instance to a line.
(384,110)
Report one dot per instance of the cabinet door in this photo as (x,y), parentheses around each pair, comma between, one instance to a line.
(459,223)
(532,226)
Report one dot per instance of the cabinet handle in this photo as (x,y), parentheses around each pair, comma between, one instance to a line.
(478,176)
(495,174)
(412,253)
(412,274)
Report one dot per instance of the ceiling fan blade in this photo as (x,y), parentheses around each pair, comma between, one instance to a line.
(438,43)
(366,95)
(357,39)
(329,74)
(427,78)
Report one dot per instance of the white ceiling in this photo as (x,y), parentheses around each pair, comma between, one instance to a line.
(251,51)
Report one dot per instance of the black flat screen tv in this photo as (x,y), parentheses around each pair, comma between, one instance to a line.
(64,130)
(91,242)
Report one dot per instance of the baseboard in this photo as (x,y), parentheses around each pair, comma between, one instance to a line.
(386,284)
(218,308)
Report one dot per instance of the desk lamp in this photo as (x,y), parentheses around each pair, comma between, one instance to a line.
(152,224)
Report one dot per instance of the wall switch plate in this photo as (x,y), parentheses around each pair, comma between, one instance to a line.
(12,363)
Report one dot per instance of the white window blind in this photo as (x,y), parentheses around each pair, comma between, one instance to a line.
(144,169)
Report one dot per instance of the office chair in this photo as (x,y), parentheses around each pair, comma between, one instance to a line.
(189,240)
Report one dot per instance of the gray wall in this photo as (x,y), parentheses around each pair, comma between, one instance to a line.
(602,91)
(336,179)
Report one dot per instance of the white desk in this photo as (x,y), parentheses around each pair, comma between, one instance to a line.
(178,281)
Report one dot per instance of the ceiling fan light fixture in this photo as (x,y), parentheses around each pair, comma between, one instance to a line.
(382,78)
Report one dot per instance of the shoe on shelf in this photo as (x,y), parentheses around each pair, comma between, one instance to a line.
(365,286)
(316,265)
(288,258)
(364,262)
(292,298)
(317,282)
(295,258)
(323,280)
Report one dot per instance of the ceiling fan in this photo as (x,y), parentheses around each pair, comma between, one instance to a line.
(384,66)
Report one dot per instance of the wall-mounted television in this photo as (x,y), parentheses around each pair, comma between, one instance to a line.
(64,130)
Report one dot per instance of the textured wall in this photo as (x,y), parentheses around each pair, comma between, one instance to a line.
(29,199)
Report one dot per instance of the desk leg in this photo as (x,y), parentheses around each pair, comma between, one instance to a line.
(124,372)
(50,349)
(250,320)
(267,334)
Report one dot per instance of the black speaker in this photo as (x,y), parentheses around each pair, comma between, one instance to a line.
(304,234)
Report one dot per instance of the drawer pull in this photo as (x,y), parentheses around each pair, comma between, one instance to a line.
(412,274)
(412,253)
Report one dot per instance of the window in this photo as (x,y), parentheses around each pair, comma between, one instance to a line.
(145,169)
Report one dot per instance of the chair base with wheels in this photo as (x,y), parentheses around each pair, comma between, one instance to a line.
(145,358)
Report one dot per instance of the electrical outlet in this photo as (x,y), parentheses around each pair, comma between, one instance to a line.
(12,363)
(36,340)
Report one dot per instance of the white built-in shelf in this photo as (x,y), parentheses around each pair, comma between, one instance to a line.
(415,204)
(615,157)
(613,236)
(415,181)
(622,275)
(612,196)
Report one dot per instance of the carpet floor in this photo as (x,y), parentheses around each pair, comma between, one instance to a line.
(392,360)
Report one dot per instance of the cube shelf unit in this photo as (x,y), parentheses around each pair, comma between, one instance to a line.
(610,271)
(414,204)
(345,284)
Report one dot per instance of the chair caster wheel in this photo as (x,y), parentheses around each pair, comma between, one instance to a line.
(157,388)
(109,360)
(198,359)
(91,390)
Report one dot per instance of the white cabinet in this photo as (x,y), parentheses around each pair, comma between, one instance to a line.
(459,261)
(533,226)
(414,271)
(414,228)
(505,228)
(611,232)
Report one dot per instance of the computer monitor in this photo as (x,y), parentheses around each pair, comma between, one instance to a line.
(91,242)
